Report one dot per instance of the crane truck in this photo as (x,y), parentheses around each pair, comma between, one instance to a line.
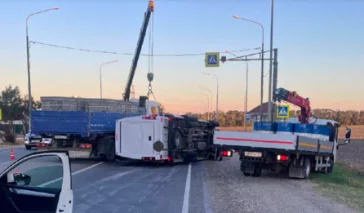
(298,145)
(140,134)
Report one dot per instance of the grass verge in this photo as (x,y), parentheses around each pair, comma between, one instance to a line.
(343,184)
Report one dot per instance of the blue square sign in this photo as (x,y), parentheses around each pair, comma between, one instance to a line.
(212,59)
(283,111)
(247,117)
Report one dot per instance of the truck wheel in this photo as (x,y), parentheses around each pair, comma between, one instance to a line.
(331,168)
(27,147)
(307,168)
(107,149)
(246,174)
(257,170)
(110,153)
(242,169)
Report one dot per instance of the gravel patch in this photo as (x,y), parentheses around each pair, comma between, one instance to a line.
(231,192)
(352,154)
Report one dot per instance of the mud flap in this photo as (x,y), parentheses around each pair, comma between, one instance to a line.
(297,168)
(248,168)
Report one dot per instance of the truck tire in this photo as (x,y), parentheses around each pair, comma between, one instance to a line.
(331,168)
(109,152)
(257,170)
(242,169)
(27,147)
(246,174)
(307,168)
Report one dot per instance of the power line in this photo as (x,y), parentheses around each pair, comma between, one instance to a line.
(129,54)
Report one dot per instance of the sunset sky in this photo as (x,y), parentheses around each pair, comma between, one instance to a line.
(320,49)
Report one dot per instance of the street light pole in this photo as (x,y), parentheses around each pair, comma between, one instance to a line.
(217,93)
(262,64)
(270,65)
(208,106)
(100,71)
(201,108)
(28,63)
(210,94)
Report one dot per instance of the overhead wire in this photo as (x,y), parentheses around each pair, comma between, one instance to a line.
(131,54)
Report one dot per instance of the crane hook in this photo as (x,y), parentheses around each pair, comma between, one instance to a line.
(150,77)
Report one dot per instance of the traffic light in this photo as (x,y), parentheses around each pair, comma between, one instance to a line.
(223,59)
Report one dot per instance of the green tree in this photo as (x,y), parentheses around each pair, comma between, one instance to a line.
(11,103)
(12,107)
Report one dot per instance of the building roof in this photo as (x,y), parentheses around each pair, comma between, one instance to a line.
(256,110)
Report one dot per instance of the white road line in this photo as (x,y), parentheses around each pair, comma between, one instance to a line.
(186,198)
(8,147)
(7,162)
(74,173)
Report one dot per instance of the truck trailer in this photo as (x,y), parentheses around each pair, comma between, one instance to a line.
(83,130)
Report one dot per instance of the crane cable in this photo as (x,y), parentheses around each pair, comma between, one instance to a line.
(150,74)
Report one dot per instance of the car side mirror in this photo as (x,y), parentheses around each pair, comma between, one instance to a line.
(21,179)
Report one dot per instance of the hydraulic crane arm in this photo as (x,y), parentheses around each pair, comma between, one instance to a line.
(293,98)
(134,64)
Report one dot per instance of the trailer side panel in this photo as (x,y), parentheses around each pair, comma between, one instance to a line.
(256,140)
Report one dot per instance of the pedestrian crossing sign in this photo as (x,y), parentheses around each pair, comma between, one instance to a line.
(283,111)
(212,59)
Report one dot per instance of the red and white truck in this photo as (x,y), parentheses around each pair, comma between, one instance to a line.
(299,145)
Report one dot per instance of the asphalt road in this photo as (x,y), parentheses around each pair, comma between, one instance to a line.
(203,187)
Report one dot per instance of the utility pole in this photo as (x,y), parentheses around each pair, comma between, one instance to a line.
(270,65)
(275,74)
(246,92)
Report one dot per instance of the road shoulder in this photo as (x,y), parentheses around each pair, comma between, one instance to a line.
(232,192)
(344,185)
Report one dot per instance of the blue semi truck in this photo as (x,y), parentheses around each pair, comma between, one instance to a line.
(82,129)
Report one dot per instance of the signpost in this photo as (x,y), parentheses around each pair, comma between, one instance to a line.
(283,111)
(212,59)
(247,117)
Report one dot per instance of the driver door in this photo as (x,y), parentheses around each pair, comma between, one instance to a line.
(37,183)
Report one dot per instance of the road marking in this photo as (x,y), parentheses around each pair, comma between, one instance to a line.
(8,147)
(74,173)
(206,197)
(7,162)
(186,198)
